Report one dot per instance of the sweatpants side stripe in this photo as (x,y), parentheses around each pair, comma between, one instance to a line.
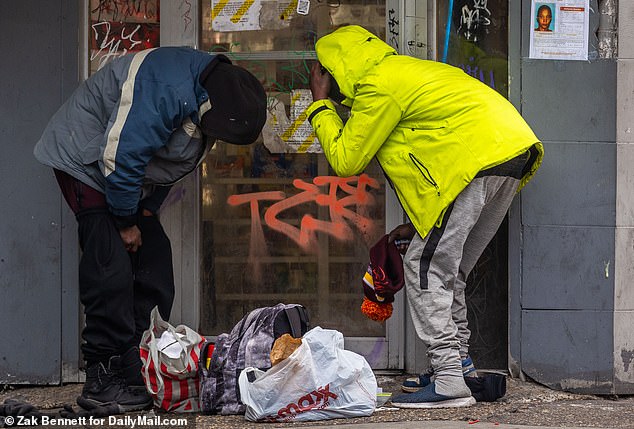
(430,248)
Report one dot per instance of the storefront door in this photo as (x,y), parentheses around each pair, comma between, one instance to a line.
(268,222)
(277,224)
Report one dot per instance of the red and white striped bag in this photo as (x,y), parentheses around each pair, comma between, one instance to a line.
(170,364)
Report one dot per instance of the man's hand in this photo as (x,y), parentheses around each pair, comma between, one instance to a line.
(402,234)
(131,238)
(319,82)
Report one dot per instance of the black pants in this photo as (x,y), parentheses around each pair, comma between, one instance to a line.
(117,288)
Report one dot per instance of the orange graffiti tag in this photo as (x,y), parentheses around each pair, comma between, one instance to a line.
(257,245)
(341,210)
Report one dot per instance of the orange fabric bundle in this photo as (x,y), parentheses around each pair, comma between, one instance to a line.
(383,278)
(379,312)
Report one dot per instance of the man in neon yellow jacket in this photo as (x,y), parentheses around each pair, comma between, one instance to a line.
(455,152)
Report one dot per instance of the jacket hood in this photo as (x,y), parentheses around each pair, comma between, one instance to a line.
(348,53)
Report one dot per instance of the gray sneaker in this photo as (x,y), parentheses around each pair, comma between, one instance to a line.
(414,384)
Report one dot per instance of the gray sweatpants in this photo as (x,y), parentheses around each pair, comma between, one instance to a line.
(437,266)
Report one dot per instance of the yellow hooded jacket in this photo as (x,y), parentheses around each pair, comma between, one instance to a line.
(431,126)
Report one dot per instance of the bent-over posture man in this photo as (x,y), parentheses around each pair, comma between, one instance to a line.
(455,151)
(140,123)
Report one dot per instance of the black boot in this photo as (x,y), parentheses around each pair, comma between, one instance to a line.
(129,367)
(104,386)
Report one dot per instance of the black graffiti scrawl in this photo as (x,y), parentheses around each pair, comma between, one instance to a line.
(472,19)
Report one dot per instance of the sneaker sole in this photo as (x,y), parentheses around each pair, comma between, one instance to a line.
(410,389)
(91,404)
(449,403)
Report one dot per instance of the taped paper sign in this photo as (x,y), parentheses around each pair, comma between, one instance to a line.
(287,9)
(291,135)
(276,15)
(235,15)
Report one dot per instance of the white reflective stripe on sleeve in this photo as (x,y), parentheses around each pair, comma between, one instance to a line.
(127,95)
(191,129)
(204,108)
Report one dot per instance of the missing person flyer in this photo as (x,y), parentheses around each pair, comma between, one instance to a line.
(559,29)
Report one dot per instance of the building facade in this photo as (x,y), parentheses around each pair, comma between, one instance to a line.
(270,223)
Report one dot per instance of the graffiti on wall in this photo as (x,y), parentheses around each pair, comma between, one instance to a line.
(344,212)
(186,13)
(121,26)
(125,10)
(475,17)
(475,38)
(393,28)
(484,75)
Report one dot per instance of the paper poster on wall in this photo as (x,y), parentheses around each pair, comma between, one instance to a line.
(235,15)
(559,29)
(294,134)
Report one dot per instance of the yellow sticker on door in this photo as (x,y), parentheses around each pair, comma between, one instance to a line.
(235,15)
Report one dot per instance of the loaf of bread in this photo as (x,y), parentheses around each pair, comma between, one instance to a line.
(283,347)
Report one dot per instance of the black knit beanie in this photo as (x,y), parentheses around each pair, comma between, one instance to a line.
(238,103)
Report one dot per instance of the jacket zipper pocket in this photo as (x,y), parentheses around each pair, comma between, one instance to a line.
(425,172)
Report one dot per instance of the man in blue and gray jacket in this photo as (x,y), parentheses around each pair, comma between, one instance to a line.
(139,124)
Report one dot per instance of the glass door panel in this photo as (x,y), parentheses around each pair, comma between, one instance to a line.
(278,224)
(284,228)
(473,35)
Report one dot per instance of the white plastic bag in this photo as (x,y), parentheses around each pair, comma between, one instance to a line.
(318,381)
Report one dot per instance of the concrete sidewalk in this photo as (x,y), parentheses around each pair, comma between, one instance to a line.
(526,405)
(443,424)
